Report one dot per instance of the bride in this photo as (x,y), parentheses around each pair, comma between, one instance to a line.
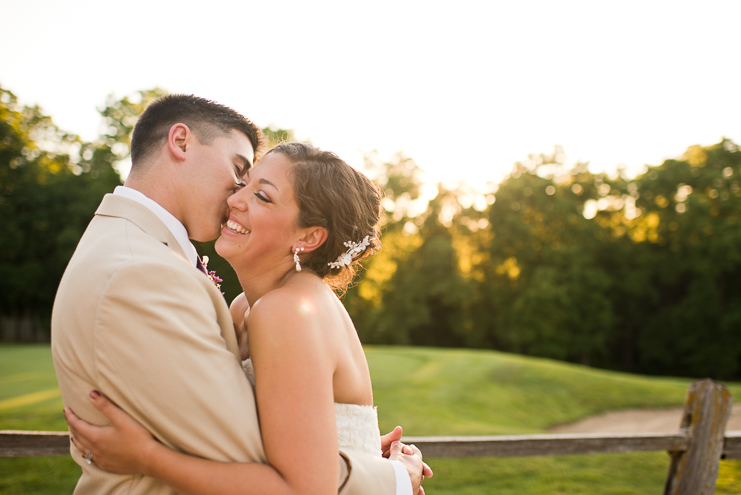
(296,230)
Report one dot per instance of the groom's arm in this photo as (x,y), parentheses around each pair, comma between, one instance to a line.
(161,357)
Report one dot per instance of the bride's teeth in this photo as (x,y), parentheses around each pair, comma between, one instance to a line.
(236,227)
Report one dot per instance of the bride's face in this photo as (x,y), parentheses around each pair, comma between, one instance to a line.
(262,216)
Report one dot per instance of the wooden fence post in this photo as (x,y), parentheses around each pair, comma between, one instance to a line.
(706,410)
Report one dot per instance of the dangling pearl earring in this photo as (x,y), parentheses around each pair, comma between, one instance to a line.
(296,260)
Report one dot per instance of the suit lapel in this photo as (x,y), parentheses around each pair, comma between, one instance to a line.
(142,217)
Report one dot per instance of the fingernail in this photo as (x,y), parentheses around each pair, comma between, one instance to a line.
(94,394)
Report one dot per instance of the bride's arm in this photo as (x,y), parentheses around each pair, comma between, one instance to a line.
(126,447)
(295,401)
(294,365)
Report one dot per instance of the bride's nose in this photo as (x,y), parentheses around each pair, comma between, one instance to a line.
(238,200)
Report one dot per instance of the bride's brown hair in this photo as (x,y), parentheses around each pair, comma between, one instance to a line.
(333,195)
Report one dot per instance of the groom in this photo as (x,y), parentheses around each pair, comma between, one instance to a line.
(135,318)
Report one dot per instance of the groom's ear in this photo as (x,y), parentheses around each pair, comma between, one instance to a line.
(179,139)
(313,238)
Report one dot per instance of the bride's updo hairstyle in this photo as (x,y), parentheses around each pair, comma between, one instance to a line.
(333,195)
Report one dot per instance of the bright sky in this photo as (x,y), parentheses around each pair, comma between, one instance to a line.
(465,88)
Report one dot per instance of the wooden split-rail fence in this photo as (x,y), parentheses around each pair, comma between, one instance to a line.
(696,448)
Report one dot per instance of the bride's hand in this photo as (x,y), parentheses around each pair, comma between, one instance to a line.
(121,447)
(243,341)
(389,438)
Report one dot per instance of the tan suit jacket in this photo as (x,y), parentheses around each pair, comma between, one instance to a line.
(135,320)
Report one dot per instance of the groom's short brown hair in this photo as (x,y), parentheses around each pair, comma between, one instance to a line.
(205,118)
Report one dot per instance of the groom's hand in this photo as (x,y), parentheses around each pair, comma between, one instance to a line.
(411,457)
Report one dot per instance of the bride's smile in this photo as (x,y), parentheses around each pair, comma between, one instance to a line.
(235,227)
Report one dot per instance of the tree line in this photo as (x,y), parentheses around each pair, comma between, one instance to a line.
(632,273)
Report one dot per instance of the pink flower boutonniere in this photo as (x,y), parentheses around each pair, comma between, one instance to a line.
(212,274)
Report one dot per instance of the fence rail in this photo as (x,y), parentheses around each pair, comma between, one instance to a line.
(56,443)
(33,443)
(535,445)
(696,449)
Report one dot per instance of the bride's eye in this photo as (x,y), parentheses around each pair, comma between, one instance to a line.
(262,198)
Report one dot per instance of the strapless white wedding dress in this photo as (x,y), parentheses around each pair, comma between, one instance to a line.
(357,426)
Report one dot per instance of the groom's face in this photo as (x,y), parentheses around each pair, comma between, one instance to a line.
(218,169)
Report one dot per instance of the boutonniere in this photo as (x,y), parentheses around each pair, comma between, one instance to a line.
(212,274)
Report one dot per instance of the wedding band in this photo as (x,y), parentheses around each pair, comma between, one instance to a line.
(89,457)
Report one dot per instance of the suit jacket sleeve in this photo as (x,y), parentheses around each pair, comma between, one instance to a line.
(160,356)
(368,475)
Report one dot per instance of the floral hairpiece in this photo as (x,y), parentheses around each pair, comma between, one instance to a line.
(353,248)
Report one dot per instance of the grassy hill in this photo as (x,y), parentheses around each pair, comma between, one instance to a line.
(469,392)
(429,392)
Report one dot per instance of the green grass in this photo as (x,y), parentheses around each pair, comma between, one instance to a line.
(38,475)
(469,392)
(429,392)
(29,394)
(30,400)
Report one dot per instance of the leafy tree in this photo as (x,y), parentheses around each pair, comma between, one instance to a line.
(424,300)
(545,290)
(400,182)
(50,184)
(276,136)
(688,238)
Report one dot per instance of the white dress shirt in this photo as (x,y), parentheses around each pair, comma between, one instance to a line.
(403,481)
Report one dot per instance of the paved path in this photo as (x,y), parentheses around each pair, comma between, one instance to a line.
(638,421)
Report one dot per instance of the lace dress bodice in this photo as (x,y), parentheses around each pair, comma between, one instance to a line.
(357,426)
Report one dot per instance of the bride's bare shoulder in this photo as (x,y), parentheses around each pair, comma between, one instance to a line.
(299,305)
(287,323)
